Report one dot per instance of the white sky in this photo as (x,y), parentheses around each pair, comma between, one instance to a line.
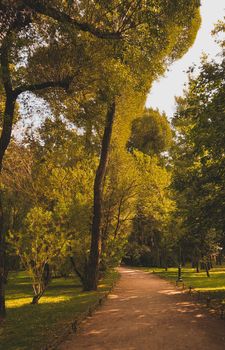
(163,91)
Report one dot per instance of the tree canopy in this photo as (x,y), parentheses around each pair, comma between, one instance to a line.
(93,64)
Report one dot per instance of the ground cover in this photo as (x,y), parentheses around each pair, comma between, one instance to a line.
(213,285)
(32,326)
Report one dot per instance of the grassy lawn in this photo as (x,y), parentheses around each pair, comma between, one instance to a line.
(29,326)
(215,284)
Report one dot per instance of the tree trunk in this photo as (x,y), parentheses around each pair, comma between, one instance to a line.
(77,272)
(4,142)
(207,269)
(2,262)
(95,251)
(41,287)
(197,266)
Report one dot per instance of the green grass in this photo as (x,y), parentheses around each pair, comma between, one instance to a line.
(215,284)
(29,327)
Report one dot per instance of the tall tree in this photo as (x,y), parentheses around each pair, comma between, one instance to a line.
(9,48)
(136,48)
(199,160)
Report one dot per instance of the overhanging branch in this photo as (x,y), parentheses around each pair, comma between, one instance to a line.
(63,17)
(64,84)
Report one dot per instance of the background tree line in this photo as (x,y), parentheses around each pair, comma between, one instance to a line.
(195,162)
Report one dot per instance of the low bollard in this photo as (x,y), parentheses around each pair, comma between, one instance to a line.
(74,326)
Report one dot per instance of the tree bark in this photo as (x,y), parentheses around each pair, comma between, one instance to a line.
(95,251)
(207,269)
(4,142)
(77,272)
(2,263)
(197,266)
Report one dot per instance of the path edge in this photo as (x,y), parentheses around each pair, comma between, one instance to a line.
(73,326)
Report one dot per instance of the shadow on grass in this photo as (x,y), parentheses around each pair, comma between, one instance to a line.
(31,326)
(214,286)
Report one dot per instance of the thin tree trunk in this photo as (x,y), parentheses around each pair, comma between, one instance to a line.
(4,142)
(95,251)
(77,272)
(197,266)
(207,269)
(2,263)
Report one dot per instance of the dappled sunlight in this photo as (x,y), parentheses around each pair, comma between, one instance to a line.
(129,298)
(184,310)
(129,271)
(169,292)
(108,311)
(58,299)
(199,316)
(211,288)
(15,303)
(185,303)
(62,303)
(113,296)
(96,332)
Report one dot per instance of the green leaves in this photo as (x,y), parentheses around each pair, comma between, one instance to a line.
(151,134)
(199,158)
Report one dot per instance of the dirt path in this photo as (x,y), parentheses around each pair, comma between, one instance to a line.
(146,313)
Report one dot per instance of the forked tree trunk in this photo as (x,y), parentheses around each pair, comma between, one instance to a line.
(95,251)
(41,287)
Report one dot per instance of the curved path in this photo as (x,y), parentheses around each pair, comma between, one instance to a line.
(145,312)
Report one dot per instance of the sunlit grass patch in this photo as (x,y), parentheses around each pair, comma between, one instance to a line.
(198,281)
(17,302)
(27,326)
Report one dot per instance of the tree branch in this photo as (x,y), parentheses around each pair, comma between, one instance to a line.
(64,84)
(6,78)
(63,17)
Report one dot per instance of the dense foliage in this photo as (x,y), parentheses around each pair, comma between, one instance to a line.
(74,180)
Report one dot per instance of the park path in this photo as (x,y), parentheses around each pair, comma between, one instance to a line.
(145,312)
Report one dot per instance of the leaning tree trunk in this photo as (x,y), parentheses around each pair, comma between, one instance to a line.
(40,288)
(4,142)
(95,251)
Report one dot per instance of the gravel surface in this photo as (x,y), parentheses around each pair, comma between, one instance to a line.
(145,312)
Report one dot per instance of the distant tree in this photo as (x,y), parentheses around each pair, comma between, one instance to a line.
(151,133)
(154,207)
